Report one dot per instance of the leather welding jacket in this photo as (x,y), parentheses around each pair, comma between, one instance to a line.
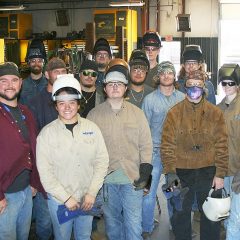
(232,117)
(195,136)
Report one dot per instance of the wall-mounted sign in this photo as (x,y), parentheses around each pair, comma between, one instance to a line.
(183,23)
(105,25)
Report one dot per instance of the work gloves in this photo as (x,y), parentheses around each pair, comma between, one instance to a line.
(144,180)
(172,180)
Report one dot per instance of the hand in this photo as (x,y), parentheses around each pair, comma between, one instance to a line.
(145,171)
(218,183)
(171,180)
(88,202)
(3,205)
(72,204)
(34,191)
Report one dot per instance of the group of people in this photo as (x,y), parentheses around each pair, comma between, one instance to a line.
(110,132)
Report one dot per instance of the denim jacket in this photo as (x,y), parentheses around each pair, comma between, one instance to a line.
(155,106)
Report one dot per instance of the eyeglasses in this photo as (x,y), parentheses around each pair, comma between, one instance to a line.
(102,55)
(117,84)
(230,84)
(152,49)
(34,60)
(87,73)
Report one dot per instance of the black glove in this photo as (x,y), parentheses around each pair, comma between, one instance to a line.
(171,180)
(145,171)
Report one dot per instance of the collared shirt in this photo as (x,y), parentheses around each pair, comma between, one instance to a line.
(71,164)
(155,106)
(127,137)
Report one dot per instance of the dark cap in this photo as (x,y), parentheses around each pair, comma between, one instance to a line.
(55,63)
(102,45)
(139,57)
(152,38)
(36,50)
(9,68)
(229,72)
(88,64)
(192,52)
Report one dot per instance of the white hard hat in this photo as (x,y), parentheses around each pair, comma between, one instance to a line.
(66,80)
(217,209)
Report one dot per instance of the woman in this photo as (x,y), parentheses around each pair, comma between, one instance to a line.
(230,105)
(72,161)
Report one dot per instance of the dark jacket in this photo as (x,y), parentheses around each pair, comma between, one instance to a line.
(195,136)
(31,88)
(16,153)
(43,108)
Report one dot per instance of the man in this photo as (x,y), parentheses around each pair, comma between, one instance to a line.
(139,66)
(229,78)
(32,85)
(102,54)
(19,178)
(128,140)
(194,151)
(91,95)
(192,58)
(45,112)
(151,45)
(155,106)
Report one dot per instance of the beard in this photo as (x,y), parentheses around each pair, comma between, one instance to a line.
(136,83)
(36,70)
(88,85)
(102,65)
(9,99)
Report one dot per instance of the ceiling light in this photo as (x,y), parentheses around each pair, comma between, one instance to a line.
(130,3)
(12,8)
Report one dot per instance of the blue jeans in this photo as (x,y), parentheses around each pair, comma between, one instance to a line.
(233,223)
(81,226)
(122,212)
(16,219)
(149,200)
(42,217)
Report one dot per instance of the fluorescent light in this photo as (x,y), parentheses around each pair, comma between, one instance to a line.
(130,3)
(12,8)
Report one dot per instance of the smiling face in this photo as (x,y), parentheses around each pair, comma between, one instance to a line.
(67,110)
(10,86)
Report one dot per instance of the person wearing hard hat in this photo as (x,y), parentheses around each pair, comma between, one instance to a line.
(151,45)
(194,151)
(72,160)
(229,78)
(128,140)
(192,60)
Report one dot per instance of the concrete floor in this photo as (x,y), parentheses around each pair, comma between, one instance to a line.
(161,231)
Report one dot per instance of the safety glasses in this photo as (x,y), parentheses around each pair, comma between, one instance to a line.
(88,73)
(230,84)
(151,49)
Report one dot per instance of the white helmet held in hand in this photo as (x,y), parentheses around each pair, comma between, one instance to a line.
(217,209)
